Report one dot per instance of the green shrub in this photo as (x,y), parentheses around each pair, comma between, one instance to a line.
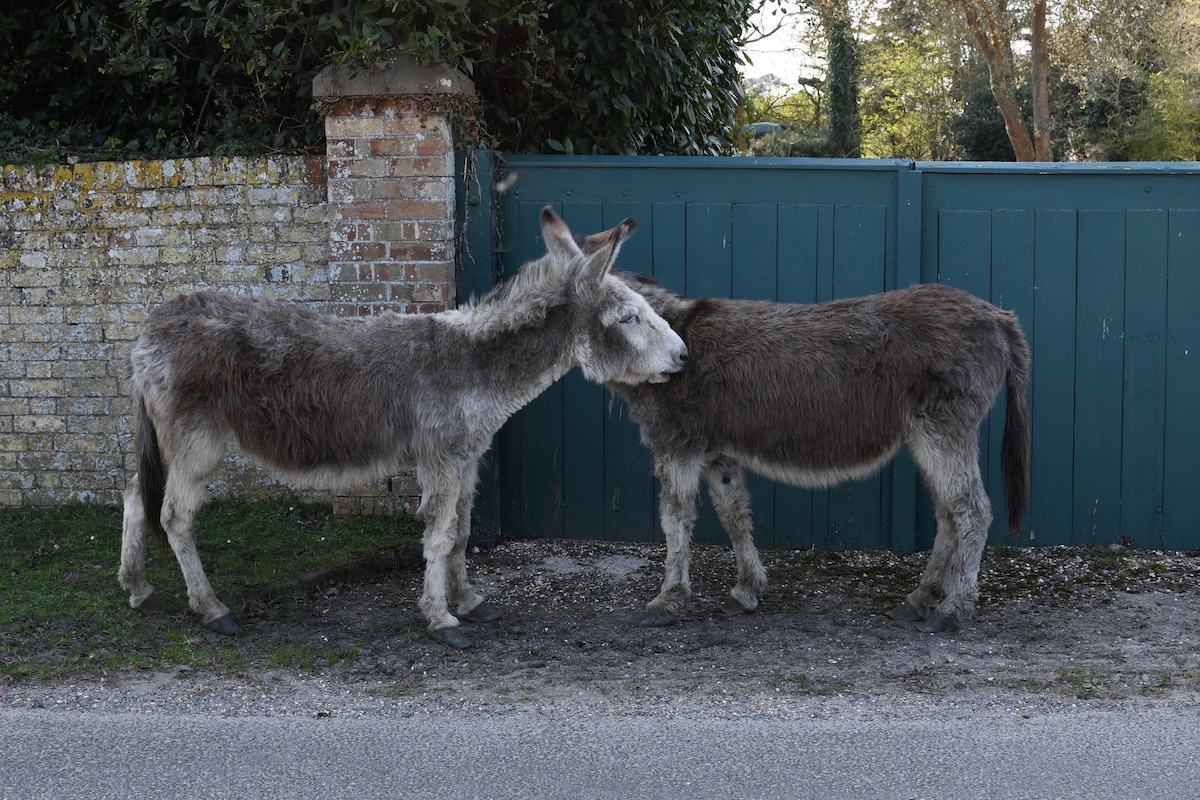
(121,78)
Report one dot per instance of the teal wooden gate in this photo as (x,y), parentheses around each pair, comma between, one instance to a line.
(1083,254)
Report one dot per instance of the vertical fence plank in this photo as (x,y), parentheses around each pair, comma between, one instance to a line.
(1054,367)
(1145,377)
(582,443)
(1012,260)
(755,255)
(1099,335)
(533,439)
(796,283)
(669,245)
(964,246)
(709,250)
(1181,468)
(860,510)
(628,483)
(710,274)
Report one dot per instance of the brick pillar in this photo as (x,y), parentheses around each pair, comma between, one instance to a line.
(390,151)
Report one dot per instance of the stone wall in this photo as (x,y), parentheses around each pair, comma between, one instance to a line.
(87,250)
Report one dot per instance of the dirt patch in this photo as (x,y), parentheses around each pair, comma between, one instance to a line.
(1088,623)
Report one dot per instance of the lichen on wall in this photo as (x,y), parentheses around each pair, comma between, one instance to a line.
(85,252)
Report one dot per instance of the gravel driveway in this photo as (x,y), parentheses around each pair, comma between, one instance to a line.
(1055,626)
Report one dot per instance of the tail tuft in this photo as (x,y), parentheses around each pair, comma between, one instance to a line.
(1015,447)
(152,473)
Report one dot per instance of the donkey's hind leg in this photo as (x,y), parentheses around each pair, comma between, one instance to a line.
(680,478)
(949,586)
(727,488)
(132,573)
(185,493)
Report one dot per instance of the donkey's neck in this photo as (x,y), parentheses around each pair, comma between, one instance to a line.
(520,356)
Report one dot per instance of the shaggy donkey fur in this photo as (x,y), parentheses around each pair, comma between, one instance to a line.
(816,394)
(326,401)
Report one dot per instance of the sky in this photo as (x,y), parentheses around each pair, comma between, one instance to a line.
(777,55)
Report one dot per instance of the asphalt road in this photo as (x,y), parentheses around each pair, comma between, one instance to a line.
(1144,753)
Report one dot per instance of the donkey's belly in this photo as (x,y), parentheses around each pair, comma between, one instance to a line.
(813,475)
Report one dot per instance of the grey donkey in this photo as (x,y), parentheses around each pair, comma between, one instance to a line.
(326,401)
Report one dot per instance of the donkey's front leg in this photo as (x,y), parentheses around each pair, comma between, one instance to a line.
(471,605)
(680,480)
(441,489)
(731,499)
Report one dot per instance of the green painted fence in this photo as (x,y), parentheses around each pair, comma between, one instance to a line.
(1101,263)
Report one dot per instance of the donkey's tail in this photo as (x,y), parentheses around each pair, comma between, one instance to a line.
(152,471)
(1014,450)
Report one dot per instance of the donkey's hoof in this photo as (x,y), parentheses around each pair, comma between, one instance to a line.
(905,613)
(450,636)
(940,623)
(657,618)
(224,625)
(732,607)
(152,604)
(484,612)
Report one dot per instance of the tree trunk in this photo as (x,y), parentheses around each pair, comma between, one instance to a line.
(990,37)
(842,82)
(1041,90)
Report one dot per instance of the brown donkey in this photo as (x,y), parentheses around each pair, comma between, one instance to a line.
(325,401)
(811,395)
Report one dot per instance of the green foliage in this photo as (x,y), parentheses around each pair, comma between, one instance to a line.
(979,129)
(62,612)
(793,143)
(118,78)
(907,98)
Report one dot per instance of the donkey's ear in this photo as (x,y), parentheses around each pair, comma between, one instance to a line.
(591,244)
(602,248)
(557,235)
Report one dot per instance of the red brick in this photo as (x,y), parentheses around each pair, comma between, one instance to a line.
(403,251)
(415,210)
(385,147)
(432,146)
(367,251)
(315,170)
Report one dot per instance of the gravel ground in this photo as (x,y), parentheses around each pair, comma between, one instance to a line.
(1056,628)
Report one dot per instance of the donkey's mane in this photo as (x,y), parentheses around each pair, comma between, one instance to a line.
(524,299)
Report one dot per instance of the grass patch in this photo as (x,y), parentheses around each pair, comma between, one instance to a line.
(1084,684)
(62,612)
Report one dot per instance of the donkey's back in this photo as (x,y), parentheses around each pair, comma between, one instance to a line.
(299,390)
(813,394)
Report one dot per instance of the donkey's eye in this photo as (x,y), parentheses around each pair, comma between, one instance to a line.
(629,319)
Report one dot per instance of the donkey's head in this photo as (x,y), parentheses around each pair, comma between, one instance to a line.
(623,340)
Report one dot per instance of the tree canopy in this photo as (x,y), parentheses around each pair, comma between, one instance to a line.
(116,78)
(969,79)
